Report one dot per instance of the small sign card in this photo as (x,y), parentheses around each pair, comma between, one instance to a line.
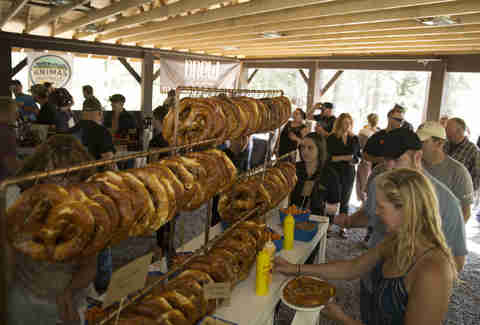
(127,280)
(219,290)
(319,219)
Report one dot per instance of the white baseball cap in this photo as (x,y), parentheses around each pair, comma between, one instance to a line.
(431,129)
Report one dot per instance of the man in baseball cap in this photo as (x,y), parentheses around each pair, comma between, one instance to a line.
(447,170)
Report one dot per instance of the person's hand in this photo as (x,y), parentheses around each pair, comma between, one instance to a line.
(342,220)
(334,312)
(66,308)
(283,266)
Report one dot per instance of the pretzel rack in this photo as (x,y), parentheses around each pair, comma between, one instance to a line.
(185,91)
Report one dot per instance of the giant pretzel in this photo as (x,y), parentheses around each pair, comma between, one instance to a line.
(55,223)
(181,300)
(224,118)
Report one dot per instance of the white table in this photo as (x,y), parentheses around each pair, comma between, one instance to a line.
(246,308)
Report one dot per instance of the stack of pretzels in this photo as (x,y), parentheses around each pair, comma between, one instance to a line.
(55,223)
(263,191)
(181,301)
(223,118)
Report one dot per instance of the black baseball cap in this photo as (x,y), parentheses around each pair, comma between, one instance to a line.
(327,105)
(399,141)
(117,98)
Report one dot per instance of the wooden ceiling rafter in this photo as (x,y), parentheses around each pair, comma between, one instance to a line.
(229,28)
(268,11)
(14,9)
(346,35)
(100,14)
(385,36)
(253,8)
(163,11)
(53,14)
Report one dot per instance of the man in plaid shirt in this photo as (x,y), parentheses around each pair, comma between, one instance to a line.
(460,148)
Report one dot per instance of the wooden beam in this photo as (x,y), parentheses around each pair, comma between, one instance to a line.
(366,46)
(263,11)
(53,14)
(101,14)
(156,13)
(157,74)
(426,50)
(339,43)
(323,35)
(22,64)
(147,86)
(304,76)
(252,75)
(331,82)
(234,27)
(312,85)
(14,9)
(130,69)
(276,14)
(433,103)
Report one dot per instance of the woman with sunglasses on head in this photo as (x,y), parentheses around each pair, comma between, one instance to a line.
(344,149)
(292,133)
(318,184)
(413,270)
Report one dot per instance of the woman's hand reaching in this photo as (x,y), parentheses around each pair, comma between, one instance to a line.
(283,266)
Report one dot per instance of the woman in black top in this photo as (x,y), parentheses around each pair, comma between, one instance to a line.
(344,149)
(317,183)
(291,136)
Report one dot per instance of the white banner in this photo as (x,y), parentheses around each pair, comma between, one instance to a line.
(198,73)
(54,68)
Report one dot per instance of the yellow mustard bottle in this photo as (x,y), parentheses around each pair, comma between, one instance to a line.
(288,232)
(270,249)
(263,266)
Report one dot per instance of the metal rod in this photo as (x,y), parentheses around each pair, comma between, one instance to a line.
(208,222)
(4,265)
(97,163)
(161,279)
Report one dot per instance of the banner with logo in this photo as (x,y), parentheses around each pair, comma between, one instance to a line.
(198,73)
(54,68)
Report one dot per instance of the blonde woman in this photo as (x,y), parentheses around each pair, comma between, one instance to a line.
(412,270)
(344,149)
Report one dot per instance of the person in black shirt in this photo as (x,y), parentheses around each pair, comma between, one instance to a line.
(344,149)
(92,134)
(158,141)
(122,121)
(291,136)
(373,150)
(63,101)
(325,120)
(318,184)
(48,111)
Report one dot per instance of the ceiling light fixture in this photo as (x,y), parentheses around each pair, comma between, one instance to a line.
(273,35)
(230,48)
(91,28)
(438,21)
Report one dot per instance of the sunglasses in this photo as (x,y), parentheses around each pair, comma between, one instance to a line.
(400,120)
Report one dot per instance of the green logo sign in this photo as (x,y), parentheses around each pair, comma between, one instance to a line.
(50,68)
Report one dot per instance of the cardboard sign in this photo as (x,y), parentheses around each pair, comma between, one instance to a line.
(308,188)
(319,219)
(219,290)
(128,279)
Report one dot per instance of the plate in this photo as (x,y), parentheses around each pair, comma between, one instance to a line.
(300,308)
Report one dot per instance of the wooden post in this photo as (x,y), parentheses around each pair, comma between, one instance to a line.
(435,88)
(252,75)
(242,82)
(147,84)
(6,68)
(314,89)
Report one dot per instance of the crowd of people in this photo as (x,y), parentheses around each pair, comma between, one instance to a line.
(417,191)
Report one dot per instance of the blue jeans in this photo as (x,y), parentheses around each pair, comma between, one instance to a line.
(104,270)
